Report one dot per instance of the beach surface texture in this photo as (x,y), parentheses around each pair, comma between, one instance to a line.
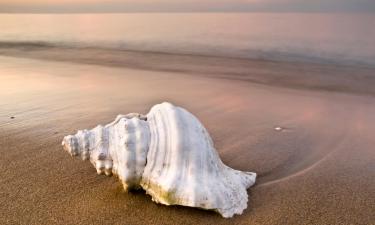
(306,129)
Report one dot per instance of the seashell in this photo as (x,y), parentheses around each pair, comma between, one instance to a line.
(169,154)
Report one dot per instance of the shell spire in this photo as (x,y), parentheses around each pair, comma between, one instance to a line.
(170,155)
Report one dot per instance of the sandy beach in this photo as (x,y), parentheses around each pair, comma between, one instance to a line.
(319,169)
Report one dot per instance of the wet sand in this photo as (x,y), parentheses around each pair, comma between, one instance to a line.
(318,170)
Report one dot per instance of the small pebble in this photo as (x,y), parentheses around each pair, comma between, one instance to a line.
(278,128)
(12,117)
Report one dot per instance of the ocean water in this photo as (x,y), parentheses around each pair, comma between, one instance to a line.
(310,37)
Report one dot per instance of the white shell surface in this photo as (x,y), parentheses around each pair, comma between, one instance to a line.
(170,155)
(119,148)
(183,167)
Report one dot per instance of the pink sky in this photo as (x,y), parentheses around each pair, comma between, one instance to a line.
(185,5)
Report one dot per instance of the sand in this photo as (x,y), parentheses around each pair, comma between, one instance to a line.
(318,169)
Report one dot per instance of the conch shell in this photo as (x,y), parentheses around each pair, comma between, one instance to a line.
(169,154)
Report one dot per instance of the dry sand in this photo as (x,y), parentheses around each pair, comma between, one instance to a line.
(318,170)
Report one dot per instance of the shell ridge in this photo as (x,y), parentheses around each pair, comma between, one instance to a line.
(179,158)
(154,137)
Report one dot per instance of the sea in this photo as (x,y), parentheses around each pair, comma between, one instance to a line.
(339,38)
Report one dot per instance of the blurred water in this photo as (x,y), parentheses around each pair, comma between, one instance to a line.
(330,38)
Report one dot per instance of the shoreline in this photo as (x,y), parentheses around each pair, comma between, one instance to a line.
(297,75)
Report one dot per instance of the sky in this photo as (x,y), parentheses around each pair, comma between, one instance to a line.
(187,5)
